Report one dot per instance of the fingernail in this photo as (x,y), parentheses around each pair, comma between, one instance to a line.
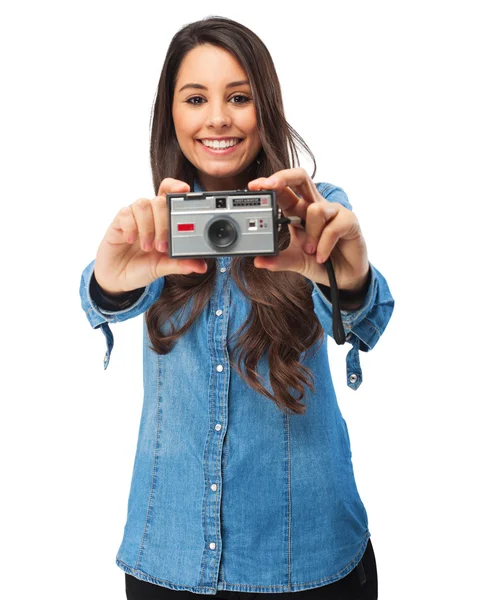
(320,259)
(162,246)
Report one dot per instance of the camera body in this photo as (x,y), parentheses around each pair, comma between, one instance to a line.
(229,223)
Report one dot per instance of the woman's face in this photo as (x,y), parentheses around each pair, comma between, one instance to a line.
(215,118)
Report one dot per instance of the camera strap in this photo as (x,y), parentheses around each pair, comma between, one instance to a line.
(338,329)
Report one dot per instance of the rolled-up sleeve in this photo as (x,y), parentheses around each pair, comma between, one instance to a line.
(101,318)
(363,327)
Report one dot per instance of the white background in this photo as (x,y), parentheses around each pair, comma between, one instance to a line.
(386,96)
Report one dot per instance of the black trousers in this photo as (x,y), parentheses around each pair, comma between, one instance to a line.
(360,584)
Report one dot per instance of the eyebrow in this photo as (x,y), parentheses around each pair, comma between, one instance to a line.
(198,86)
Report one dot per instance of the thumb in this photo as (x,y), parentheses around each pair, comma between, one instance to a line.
(288,260)
(182,266)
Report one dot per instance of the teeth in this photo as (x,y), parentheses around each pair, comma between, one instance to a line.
(218,145)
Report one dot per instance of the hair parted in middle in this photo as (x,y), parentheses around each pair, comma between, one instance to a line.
(282,322)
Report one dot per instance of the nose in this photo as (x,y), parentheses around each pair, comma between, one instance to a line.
(218,116)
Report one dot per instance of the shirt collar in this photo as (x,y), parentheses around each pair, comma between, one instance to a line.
(197,186)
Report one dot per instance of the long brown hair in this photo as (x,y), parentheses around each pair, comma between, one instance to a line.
(281,322)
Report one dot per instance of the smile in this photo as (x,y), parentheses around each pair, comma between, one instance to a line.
(221,145)
(220,148)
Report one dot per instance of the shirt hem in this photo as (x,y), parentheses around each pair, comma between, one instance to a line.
(244,587)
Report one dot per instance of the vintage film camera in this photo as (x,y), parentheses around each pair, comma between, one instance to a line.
(230,223)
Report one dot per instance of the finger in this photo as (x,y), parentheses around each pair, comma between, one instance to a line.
(185,266)
(297,236)
(125,225)
(272,263)
(290,203)
(318,216)
(160,218)
(344,227)
(144,219)
(328,241)
(172,186)
(286,183)
(287,260)
(297,178)
(167,186)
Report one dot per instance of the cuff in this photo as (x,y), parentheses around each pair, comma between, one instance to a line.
(107,301)
(349,301)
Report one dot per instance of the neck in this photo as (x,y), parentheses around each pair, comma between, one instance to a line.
(213,184)
(236,182)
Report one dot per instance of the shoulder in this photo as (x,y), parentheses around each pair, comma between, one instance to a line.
(333,193)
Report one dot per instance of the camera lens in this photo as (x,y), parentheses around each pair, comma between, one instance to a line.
(221,233)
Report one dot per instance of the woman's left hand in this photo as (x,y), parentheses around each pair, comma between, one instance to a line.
(331,230)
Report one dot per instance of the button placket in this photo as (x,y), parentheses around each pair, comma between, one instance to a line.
(218,324)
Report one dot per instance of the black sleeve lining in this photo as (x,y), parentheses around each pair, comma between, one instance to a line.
(114,303)
(348,300)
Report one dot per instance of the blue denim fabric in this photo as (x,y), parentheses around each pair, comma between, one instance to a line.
(228,492)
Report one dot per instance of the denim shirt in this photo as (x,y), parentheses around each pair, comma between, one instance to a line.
(228,492)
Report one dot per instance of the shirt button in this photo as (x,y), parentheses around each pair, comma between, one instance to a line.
(223,269)
(353,378)
(214,487)
(212,545)
(218,426)
(219,313)
(219,368)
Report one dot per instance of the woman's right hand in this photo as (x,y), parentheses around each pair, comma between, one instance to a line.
(134,251)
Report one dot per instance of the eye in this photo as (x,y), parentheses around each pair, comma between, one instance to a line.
(240,99)
(195,100)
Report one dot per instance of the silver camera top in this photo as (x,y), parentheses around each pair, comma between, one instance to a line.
(226,223)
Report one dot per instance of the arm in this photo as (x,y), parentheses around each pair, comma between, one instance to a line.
(331,230)
(100,317)
(364,326)
(106,301)
(365,312)
(131,264)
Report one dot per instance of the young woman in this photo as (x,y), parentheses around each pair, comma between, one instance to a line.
(243,482)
